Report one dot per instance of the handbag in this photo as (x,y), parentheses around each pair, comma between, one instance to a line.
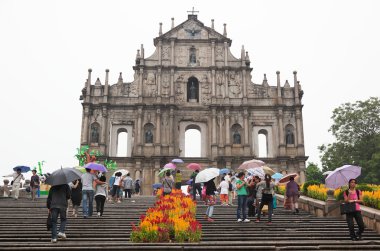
(346,208)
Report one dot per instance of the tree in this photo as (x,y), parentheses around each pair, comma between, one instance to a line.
(313,172)
(356,128)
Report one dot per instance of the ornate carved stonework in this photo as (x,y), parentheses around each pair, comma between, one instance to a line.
(193,81)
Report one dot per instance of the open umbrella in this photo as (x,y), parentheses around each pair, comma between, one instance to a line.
(224,171)
(189,182)
(259,171)
(96,167)
(163,171)
(63,176)
(123,172)
(340,176)
(177,161)
(170,165)
(194,166)
(157,185)
(286,178)
(327,172)
(253,163)
(277,176)
(24,169)
(207,174)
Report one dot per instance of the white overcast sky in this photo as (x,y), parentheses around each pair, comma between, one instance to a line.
(47,46)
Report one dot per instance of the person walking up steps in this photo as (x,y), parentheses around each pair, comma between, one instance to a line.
(292,193)
(128,186)
(267,197)
(101,195)
(57,205)
(210,199)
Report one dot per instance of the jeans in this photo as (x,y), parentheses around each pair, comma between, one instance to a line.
(54,217)
(196,187)
(242,204)
(270,209)
(87,208)
(210,211)
(350,222)
(128,193)
(251,206)
(100,199)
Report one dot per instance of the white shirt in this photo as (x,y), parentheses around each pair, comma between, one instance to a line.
(223,187)
(117,181)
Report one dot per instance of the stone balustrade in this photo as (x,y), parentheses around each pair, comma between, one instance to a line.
(330,208)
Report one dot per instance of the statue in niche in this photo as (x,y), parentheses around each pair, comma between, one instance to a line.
(192,91)
(193,58)
(149,136)
(94,134)
(237,137)
(289,137)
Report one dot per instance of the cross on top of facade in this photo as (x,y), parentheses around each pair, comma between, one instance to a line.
(192,11)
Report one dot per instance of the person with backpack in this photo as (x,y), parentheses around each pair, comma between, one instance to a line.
(267,191)
(353,195)
(137,187)
(210,198)
(167,183)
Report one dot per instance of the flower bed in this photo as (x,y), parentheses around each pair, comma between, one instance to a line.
(171,219)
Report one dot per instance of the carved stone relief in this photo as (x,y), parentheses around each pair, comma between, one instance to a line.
(219,52)
(165,84)
(220,84)
(150,84)
(165,52)
(234,85)
(206,93)
(181,58)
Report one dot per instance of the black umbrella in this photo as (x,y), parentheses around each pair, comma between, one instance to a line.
(63,176)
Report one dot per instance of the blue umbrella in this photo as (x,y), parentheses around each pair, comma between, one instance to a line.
(157,185)
(189,182)
(224,171)
(277,176)
(177,161)
(24,169)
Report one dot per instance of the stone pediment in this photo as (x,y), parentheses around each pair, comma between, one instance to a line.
(192,29)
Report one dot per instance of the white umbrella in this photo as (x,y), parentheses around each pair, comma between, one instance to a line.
(327,173)
(259,171)
(207,174)
(340,176)
(123,172)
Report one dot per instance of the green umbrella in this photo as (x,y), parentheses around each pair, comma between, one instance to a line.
(163,171)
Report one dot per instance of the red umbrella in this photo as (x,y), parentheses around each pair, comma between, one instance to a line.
(194,166)
(253,163)
(286,178)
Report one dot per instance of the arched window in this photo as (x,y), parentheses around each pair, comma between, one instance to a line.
(193,141)
(95,131)
(122,143)
(263,143)
(148,133)
(193,90)
(236,133)
(289,135)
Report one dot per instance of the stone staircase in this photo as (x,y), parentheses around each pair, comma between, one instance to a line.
(22,227)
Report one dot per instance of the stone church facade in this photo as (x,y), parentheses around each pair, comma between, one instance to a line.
(192,81)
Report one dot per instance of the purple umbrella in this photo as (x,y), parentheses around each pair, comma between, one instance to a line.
(96,167)
(340,176)
(170,165)
(177,161)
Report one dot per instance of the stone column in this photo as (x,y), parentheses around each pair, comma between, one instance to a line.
(104,125)
(158,132)
(141,77)
(280,118)
(212,53)
(246,133)
(138,129)
(172,93)
(221,122)
(213,87)
(159,77)
(228,134)
(85,125)
(244,84)
(213,126)
(299,127)
(171,132)
(159,52)
(225,54)
(172,52)
(226,77)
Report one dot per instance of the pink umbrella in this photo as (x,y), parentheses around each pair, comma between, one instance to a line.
(253,163)
(286,178)
(194,166)
(170,165)
(340,176)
